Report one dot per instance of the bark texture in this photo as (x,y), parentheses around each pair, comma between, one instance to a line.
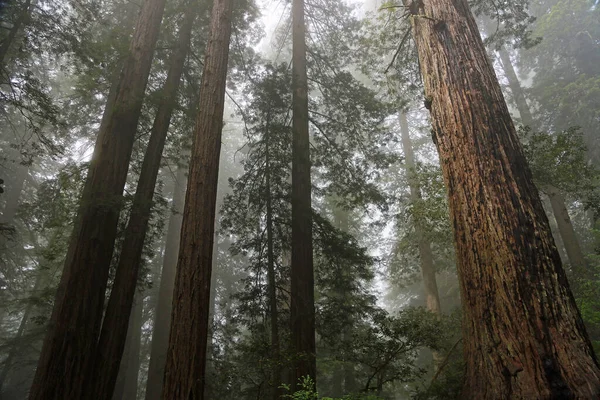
(162,318)
(114,327)
(75,323)
(523,335)
(302,306)
(186,357)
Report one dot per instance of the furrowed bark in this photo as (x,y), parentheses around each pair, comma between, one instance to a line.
(302,310)
(523,335)
(186,359)
(114,327)
(69,345)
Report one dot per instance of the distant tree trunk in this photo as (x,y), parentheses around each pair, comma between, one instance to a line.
(523,335)
(274,318)
(557,201)
(114,327)
(350,384)
(516,89)
(127,382)
(162,316)
(432,296)
(14,187)
(14,30)
(186,357)
(302,311)
(565,227)
(75,323)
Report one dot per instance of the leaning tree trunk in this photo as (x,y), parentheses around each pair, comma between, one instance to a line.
(75,323)
(162,315)
(432,296)
(186,358)
(14,30)
(114,327)
(523,335)
(302,308)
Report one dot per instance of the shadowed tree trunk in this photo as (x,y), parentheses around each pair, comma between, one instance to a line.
(114,327)
(75,323)
(523,335)
(14,30)
(432,296)
(127,381)
(162,317)
(186,357)
(302,308)
(557,200)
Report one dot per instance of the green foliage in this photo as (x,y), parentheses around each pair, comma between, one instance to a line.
(307,392)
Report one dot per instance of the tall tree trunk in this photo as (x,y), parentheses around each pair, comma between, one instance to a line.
(75,323)
(432,296)
(274,318)
(557,201)
(186,358)
(516,89)
(302,279)
(14,30)
(162,316)
(127,382)
(114,327)
(12,195)
(523,335)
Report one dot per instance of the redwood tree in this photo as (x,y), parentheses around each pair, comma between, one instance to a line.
(103,376)
(75,323)
(302,307)
(523,335)
(186,358)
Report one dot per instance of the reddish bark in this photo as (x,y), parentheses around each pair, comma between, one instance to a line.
(186,358)
(523,335)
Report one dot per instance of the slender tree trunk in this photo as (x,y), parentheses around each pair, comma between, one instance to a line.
(12,34)
(186,358)
(162,317)
(523,335)
(12,195)
(75,323)
(516,89)
(432,296)
(274,318)
(426,256)
(127,381)
(114,327)
(565,227)
(302,279)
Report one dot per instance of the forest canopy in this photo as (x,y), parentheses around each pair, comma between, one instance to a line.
(303,199)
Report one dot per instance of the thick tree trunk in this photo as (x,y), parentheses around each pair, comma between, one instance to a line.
(127,381)
(114,327)
(162,316)
(432,297)
(186,357)
(75,323)
(302,280)
(523,335)
(14,30)
(272,281)
(557,201)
